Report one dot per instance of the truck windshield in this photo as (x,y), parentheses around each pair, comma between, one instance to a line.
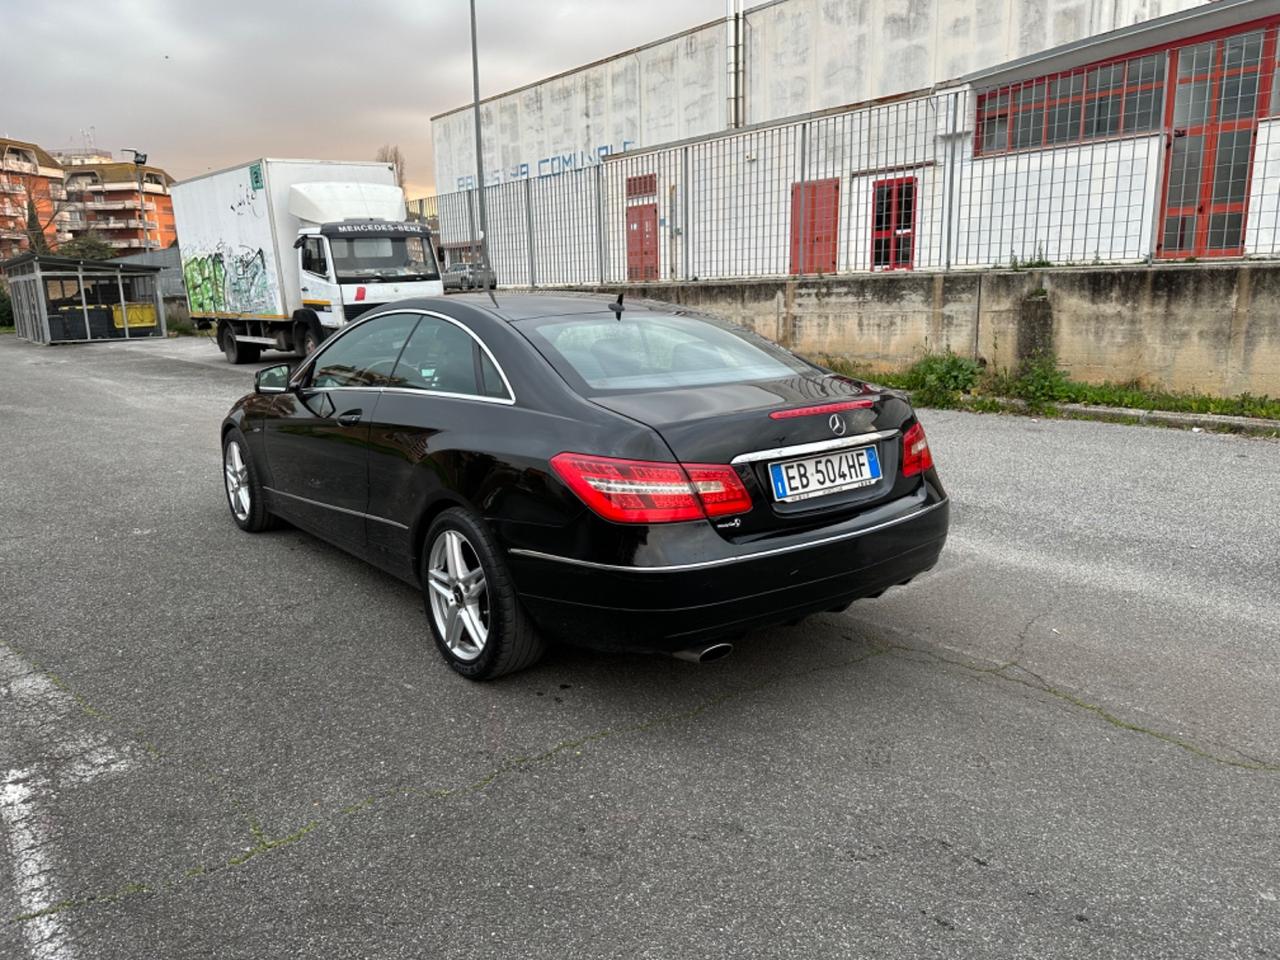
(371,259)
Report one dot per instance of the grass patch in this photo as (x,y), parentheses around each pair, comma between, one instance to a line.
(4,330)
(945,380)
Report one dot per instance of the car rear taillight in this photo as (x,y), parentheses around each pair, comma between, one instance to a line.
(647,491)
(916,457)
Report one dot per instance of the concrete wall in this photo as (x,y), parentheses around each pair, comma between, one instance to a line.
(669,90)
(1214,329)
(806,55)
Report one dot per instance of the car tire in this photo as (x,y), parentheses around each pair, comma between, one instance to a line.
(459,606)
(235,351)
(242,485)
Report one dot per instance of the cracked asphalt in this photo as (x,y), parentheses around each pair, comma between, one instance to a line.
(1062,742)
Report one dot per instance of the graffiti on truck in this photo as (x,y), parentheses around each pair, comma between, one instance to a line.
(227,281)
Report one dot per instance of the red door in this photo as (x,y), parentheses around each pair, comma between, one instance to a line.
(642,242)
(815,226)
(1221,87)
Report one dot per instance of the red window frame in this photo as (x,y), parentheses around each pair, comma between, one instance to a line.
(1122,80)
(644,185)
(1202,207)
(890,231)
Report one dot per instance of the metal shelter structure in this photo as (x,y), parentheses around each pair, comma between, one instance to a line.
(58,300)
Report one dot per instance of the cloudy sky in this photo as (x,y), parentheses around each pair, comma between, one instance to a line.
(201,85)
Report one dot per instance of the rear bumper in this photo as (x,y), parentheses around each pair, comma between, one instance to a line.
(663,609)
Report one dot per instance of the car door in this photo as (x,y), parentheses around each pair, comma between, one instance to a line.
(316,436)
(429,432)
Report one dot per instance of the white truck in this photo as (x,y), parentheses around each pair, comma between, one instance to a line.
(280,253)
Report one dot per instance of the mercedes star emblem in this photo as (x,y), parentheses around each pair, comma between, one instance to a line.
(837,425)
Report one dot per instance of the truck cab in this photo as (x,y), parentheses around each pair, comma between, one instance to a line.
(348,266)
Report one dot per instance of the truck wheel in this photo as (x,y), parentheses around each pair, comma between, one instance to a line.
(309,342)
(235,351)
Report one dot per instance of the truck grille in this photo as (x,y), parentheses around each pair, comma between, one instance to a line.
(352,310)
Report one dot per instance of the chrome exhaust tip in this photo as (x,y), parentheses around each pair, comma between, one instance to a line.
(713,651)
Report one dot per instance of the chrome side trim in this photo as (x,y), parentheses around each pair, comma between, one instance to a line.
(504,401)
(820,446)
(705,564)
(329,506)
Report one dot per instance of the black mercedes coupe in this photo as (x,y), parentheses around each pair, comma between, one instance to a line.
(622,476)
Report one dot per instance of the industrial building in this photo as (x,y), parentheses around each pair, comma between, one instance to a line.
(803,137)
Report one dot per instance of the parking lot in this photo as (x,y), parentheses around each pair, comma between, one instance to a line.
(1061,742)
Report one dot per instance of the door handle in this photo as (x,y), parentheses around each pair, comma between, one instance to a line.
(350,418)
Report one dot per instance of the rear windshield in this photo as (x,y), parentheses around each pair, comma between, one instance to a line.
(651,351)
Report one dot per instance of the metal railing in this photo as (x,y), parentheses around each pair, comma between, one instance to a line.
(1173,155)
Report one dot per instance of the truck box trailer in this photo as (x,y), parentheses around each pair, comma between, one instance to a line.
(280,253)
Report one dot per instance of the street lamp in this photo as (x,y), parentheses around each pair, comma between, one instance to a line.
(475,81)
(140,161)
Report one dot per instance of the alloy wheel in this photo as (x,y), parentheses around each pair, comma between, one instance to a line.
(236,474)
(459,595)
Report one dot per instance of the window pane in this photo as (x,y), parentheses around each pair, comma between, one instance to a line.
(655,351)
(1106,78)
(903,258)
(884,208)
(1231,166)
(1067,86)
(491,384)
(439,357)
(880,252)
(1179,233)
(1142,110)
(1148,69)
(1184,171)
(1102,116)
(1030,128)
(906,205)
(1225,230)
(1239,96)
(995,135)
(1064,122)
(1029,94)
(1245,51)
(1191,105)
(1193,61)
(365,355)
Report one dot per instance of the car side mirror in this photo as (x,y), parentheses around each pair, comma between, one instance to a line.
(273,379)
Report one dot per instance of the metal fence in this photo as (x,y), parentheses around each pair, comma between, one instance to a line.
(1166,155)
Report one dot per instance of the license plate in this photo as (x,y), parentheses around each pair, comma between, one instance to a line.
(828,473)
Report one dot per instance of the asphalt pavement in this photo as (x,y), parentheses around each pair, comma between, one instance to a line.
(1062,742)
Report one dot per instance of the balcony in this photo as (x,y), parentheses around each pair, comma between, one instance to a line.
(11,186)
(11,162)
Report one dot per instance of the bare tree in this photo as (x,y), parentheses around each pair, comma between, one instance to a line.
(390,153)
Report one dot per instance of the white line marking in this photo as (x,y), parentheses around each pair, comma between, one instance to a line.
(68,749)
(34,881)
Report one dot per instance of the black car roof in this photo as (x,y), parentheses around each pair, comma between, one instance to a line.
(526,306)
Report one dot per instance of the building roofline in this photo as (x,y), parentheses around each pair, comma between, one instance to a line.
(719,22)
(1205,18)
(43,159)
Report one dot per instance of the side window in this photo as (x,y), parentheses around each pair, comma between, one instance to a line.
(365,356)
(491,384)
(313,259)
(441,357)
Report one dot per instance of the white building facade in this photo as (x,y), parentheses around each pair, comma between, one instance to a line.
(1155,141)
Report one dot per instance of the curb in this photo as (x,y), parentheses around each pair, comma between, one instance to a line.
(1217,422)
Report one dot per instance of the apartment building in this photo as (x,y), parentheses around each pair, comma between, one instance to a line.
(128,206)
(30,176)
